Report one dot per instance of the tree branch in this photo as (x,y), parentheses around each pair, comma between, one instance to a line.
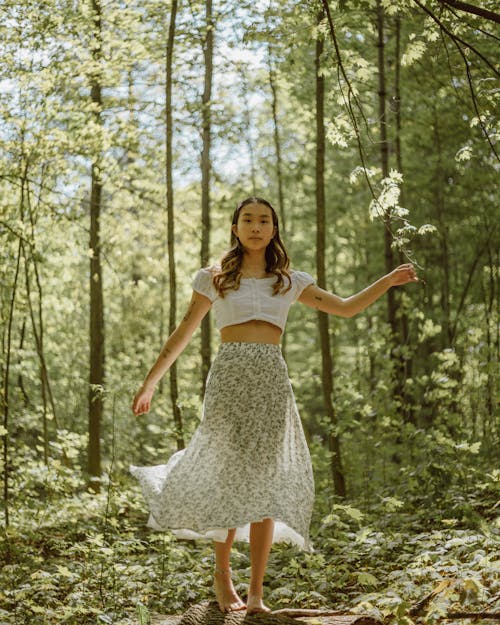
(456,41)
(474,615)
(456,38)
(470,8)
(468,282)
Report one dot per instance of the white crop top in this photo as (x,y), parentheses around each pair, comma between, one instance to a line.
(253,300)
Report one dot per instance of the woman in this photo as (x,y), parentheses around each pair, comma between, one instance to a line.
(246,473)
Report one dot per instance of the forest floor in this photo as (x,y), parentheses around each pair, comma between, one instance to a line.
(89,559)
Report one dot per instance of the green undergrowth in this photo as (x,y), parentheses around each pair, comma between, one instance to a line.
(86,558)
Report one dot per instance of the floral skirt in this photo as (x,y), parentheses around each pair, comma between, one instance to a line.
(248,459)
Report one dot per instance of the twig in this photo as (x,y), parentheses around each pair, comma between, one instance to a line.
(489,615)
(456,37)
(348,102)
(418,608)
(298,612)
(455,40)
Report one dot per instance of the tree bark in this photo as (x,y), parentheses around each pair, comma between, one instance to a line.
(384,161)
(6,372)
(20,380)
(248,124)
(38,329)
(96,376)
(205,181)
(276,137)
(39,347)
(443,238)
(209,614)
(490,360)
(174,391)
(279,160)
(405,365)
(38,335)
(323,321)
(474,10)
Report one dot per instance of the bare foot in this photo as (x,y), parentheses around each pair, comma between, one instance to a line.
(255,604)
(226,595)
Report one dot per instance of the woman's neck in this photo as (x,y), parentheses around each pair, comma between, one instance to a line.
(253,263)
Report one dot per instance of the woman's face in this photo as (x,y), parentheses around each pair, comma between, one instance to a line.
(255,227)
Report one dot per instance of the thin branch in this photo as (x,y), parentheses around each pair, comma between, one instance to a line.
(350,96)
(12,231)
(470,8)
(484,615)
(470,25)
(419,607)
(348,102)
(474,100)
(455,40)
(470,274)
(298,612)
(456,37)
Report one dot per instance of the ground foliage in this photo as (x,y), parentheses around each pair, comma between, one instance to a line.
(72,556)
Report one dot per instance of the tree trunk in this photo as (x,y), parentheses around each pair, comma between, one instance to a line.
(38,328)
(96,377)
(489,419)
(323,321)
(276,136)
(248,124)
(7,344)
(443,238)
(384,159)
(20,380)
(38,341)
(405,364)
(174,392)
(205,181)
(6,372)
(279,162)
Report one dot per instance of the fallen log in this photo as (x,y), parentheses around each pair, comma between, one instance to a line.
(208,613)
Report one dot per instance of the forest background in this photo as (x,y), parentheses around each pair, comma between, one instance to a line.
(129,133)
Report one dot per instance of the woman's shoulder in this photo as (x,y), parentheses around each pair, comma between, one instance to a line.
(209,270)
(202,282)
(299,274)
(300,280)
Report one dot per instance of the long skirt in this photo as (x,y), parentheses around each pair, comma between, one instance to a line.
(248,459)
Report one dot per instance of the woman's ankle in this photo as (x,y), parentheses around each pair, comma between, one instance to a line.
(256,590)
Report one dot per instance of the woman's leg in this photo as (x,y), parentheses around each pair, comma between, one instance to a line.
(261,538)
(226,595)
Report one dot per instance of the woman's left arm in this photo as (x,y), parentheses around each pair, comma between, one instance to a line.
(315,297)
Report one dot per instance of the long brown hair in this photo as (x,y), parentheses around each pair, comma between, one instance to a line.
(277,261)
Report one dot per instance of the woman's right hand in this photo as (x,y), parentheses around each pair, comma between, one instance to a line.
(142,400)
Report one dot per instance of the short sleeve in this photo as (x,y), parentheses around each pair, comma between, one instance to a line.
(202,283)
(301,280)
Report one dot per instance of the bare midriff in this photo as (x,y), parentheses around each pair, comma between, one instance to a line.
(254,331)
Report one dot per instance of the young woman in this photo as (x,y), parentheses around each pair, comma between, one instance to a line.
(246,473)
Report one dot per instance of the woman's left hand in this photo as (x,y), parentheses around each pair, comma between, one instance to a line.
(403,274)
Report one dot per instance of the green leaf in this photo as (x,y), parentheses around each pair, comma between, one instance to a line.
(367,579)
(414,51)
(354,513)
(143,614)
(64,571)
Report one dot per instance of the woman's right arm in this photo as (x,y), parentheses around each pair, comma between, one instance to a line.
(175,344)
